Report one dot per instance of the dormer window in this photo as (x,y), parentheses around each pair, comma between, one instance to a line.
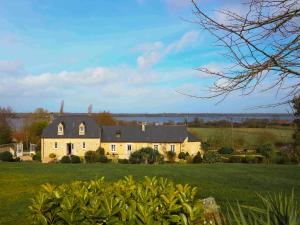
(118,133)
(60,129)
(82,129)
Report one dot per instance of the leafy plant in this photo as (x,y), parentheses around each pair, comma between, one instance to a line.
(6,156)
(100,151)
(75,159)
(225,150)
(211,157)
(65,159)
(103,159)
(267,150)
(171,156)
(182,155)
(197,158)
(91,156)
(146,155)
(37,156)
(278,209)
(150,201)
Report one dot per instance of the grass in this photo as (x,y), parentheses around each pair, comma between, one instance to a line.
(20,182)
(252,136)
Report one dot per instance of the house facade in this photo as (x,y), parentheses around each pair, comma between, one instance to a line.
(77,134)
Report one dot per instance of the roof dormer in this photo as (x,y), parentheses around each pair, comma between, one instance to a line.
(60,129)
(82,128)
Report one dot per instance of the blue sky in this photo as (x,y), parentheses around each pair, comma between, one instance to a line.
(121,56)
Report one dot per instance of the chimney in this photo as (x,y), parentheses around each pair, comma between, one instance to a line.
(143,127)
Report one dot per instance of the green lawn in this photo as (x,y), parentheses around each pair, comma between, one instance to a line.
(252,136)
(226,182)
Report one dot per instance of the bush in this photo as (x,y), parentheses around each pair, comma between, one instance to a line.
(226,150)
(171,156)
(52,156)
(146,155)
(91,156)
(75,159)
(189,159)
(197,158)
(267,150)
(37,156)
(150,201)
(182,155)
(123,161)
(212,157)
(65,159)
(100,151)
(236,159)
(103,159)
(6,157)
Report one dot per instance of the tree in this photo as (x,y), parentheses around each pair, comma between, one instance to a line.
(5,128)
(262,44)
(34,125)
(296,150)
(105,118)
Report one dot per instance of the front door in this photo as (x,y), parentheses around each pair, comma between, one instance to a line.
(69,149)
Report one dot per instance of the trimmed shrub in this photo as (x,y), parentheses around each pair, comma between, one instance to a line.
(65,159)
(182,155)
(146,155)
(91,156)
(212,157)
(150,201)
(6,157)
(100,151)
(75,159)
(197,158)
(123,161)
(189,159)
(236,159)
(171,156)
(225,150)
(37,156)
(103,159)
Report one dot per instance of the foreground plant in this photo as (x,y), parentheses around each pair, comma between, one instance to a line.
(278,209)
(151,201)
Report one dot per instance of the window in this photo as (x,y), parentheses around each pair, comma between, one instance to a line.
(83,144)
(129,147)
(82,129)
(55,144)
(113,148)
(172,148)
(60,129)
(155,147)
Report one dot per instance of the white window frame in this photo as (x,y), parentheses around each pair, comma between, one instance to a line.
(113,150)
(55,145)
(84,145)
(154,147)
(130,147)
(172,147)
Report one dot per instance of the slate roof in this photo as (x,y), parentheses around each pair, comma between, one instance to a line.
(71,127)
(152,134)
(127,133)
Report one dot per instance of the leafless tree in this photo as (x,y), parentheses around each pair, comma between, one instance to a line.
(263,45)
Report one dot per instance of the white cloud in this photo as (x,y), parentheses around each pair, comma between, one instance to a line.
(11,68)
(154,52)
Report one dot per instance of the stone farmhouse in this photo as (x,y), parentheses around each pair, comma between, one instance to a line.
(76,134)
